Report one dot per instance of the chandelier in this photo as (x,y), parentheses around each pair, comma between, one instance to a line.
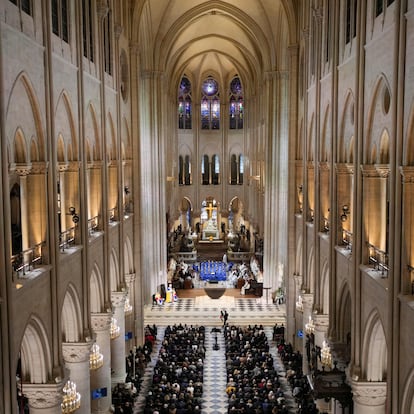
(310,326)
(127,307)
(326,356)
(95,357)
(71,398)
(114,330)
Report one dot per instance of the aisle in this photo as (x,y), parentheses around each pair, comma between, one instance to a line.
(280,368)
(215,399)
(149,371)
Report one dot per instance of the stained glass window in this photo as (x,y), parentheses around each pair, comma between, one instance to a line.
(210,104)
(184,104)
(236,104)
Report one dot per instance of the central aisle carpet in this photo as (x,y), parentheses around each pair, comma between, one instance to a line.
(215,399)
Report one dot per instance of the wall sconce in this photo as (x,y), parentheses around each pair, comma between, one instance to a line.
(345,212)
(126,190)
(75,216)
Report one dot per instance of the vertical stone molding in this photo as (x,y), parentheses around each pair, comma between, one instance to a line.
(101,378)
(307,301)
(369,397)
(118,343)
(44,398)
(76,356)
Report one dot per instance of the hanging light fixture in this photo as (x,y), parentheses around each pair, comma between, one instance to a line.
(71,398)
(127,307)
(95,358)
(310,326)
(114,330)
(326,356)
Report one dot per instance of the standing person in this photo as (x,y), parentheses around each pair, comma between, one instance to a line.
(225,317)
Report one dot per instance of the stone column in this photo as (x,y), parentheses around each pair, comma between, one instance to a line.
(118,343)
(369,397)
(44,398)
(130,318)
(24,170)
(321,328)
(307,301)
(76,357)
(101,378)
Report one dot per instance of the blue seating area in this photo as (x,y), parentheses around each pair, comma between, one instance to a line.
(212,271)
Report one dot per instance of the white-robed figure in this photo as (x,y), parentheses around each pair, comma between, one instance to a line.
(245,287)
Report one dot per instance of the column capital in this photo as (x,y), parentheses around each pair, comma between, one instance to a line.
(130,278)
(344,168)
(101,321)
(375,170)
(307,300)
(76,351)
(43,395)
(407,173)
(22,169)
(324,166)
(310,165)
(102,8)
(298,280)
(40,167)
(369,393)
(118,298)
(321,322)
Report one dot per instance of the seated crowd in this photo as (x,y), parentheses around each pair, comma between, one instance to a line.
(177,383)
(124,395)
(301,390)
(252,382)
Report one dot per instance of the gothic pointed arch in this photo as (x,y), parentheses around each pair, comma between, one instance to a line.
(378,119)
(374,349)
(96,290)
(23,105)
(128,256)
(71,316)
(344,316)
(324,288)
(347,128)
(35,353)
(408,156)
(67,125)
(407,401)
(114,278)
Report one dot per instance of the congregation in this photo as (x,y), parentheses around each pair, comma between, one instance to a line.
(253,382)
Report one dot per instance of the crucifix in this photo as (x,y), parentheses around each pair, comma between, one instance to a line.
(209,209)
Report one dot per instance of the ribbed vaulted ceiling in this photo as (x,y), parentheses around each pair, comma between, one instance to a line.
(249,37)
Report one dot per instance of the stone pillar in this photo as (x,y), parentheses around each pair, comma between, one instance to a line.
(44,398)
(118,343)
(369,397)
(76,357)
(129,319)
(307,301)
(321,328)
(101,378)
